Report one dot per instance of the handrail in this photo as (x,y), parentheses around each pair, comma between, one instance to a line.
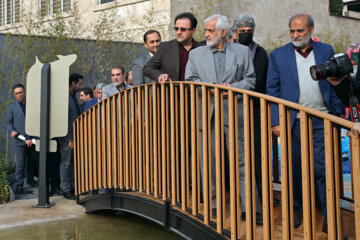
(148,139)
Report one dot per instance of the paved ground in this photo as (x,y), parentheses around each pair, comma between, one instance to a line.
(22,211)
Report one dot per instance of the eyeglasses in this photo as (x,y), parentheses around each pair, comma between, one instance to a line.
(181,29)
(246,31)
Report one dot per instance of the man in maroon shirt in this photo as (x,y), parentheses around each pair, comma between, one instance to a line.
(169,62)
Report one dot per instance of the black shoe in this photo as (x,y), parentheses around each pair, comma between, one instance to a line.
(31,182)
(276,202)
(56,192)
(297,220)
(259,218)
(20,190)
(213,212)
(69,195)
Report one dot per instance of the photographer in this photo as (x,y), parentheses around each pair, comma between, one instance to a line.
(343,87)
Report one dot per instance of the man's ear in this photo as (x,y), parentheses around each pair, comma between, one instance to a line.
(193,31)
(311,30)
(223,33)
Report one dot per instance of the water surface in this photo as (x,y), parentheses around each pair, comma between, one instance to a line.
(102,226)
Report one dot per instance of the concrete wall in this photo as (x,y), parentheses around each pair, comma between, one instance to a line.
(272,16)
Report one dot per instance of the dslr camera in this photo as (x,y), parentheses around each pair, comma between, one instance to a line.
(339,65)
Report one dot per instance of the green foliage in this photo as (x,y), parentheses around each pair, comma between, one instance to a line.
(336,7)
(338,42)
(4,188)
(6,168)
(206,9)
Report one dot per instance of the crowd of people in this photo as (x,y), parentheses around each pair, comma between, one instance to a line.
(230,57)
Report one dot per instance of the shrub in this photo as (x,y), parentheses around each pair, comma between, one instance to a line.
(6,168)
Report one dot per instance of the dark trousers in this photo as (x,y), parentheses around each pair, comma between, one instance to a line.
(319,164)
(25,156)
(257,143)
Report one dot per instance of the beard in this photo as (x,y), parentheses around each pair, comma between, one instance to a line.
(215,41)
(303,41)
(119,83)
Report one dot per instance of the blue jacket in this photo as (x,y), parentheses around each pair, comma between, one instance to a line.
(283,82)
(89,104)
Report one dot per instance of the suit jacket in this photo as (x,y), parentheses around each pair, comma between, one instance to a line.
(137,69)
(165,60)
(15,121)
(239,72)
(89,104)
(110,89)
(73,114)
(283,82)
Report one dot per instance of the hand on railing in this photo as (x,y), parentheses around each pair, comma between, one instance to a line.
(163,78)
(71,143)
(226,94)
(276,130)
(355,130)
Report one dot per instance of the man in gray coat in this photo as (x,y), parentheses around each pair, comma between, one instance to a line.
(152,40)
(227,64)
(118,82)
(15,123)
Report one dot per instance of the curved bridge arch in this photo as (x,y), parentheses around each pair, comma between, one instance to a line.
(144,144)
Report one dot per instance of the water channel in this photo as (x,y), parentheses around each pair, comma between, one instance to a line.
(101,226)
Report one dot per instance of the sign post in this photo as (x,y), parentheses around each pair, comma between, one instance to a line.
(48,89)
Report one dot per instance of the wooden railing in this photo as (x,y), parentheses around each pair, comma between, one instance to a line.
(146,140)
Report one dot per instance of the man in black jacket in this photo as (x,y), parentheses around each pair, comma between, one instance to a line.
(169,62)
(245,26)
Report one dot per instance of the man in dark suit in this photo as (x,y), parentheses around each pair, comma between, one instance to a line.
(24,150)
(67,143)
(289,78)
(152,40)
(169,62)
(245,27)
(87,97)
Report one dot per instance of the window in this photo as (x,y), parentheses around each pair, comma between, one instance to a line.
(9,12)
(106,1)
(51,7)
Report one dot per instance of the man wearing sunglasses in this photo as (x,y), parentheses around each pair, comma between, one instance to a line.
(169,62)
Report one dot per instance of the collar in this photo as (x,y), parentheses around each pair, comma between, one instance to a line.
(307,51)
(192,45)
(214,50)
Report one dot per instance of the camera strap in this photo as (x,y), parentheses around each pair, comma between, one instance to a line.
(354,104)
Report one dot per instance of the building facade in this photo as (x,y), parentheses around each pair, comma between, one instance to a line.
(127,20)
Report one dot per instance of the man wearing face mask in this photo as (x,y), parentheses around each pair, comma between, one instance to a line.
(118,82)
(245,26)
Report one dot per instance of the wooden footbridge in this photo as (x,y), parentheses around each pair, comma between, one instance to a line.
(145,145)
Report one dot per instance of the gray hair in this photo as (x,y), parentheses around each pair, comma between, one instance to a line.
(100,86)
(309,18)
(230,33)
(222,21)
(244,21)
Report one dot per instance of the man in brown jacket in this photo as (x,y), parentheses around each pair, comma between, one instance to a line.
(169,62)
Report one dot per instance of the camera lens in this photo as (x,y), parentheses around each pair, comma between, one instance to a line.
(324,70)
(315,73)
